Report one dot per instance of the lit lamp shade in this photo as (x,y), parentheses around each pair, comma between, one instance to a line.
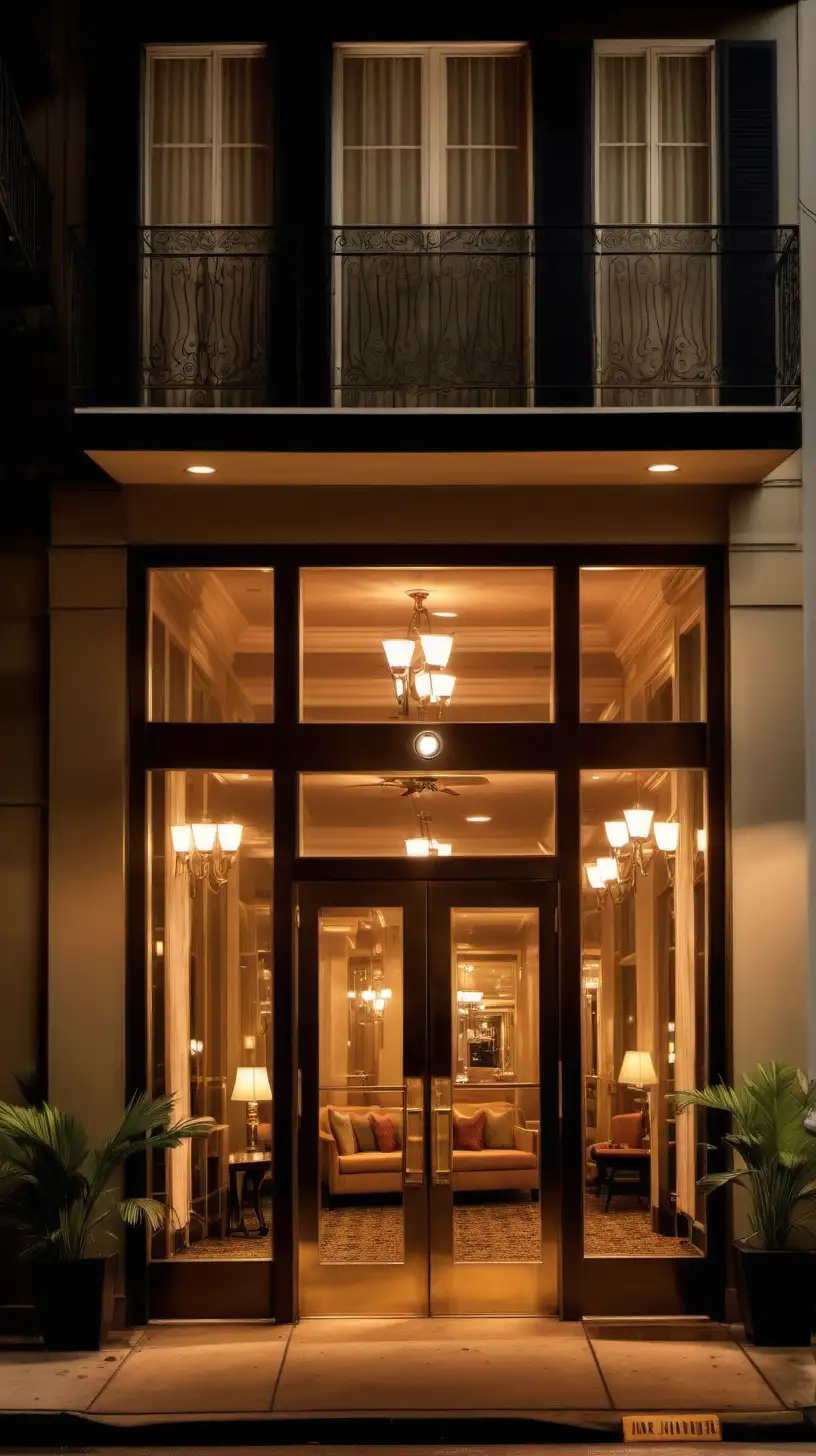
(639,822)
(182,836)
(441,848)
(229,837)
(607,868)
(424,687)
(442,686)
(666,836)
(204,836)
(399,651)
(593,875)
(417,848)
(617,833)
(251,1085)
(637,1070)
(436,650)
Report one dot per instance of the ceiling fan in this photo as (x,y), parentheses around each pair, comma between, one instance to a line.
(412,786)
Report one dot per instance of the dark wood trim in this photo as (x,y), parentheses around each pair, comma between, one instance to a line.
(185,1289)
(407,554)
(415,431)
(524,869)
(645,1286)
(137,1071)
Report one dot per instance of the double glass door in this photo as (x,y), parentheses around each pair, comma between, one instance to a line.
(429,1119)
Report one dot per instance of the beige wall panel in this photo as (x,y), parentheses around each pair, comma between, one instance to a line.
(87,578)
(774,578)
(22,940)
(768,845)
(87,857)
(771,515)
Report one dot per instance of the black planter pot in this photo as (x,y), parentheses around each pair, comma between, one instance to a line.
(73,1302)
(777,1293)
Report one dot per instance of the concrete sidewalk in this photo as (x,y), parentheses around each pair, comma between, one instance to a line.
(579,1375)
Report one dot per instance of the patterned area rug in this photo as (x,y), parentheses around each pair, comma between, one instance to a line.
(495,1233)
(625,1232)
(237,1246)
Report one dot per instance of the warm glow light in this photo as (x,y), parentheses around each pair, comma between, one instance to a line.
(159,948)
(384,993)
(196,1047)
(441,849)
(444,614)
(251,1085)
(367,995)
(469,998)
(607,868)
(424,687)
(637,1070)
(702,841)
(229,837)
(379,1004)
(442,686)
(200,469)
(436,649)
(594,876)
(639,822)
(663,469)
(417,848)
(399,651)
(478,818)
(617,833)
(666,836)
(204,836)
(182,837)
(351,996)
(427,745)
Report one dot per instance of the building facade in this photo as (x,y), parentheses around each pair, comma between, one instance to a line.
(404,639)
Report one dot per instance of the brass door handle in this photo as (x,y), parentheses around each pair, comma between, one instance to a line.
(441,1130)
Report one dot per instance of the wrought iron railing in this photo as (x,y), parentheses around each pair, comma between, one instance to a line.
(448,316)
(24,198)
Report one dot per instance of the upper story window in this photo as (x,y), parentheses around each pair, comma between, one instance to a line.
(431,134)
(206,152)
(654,132)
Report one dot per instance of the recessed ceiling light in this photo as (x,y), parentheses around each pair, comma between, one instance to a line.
(663,469)
(200,469)
(478,818)
(243,776)
(444,614)
(427,744)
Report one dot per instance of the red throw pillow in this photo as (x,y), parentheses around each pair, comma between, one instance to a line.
(384,1135)
(468,1133)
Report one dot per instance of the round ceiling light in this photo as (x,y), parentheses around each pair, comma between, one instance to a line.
(427,744)
(663,469)
(200,469)
(478,818)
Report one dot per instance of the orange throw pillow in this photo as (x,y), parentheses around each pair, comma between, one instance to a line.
(468,1133)
(384,1134)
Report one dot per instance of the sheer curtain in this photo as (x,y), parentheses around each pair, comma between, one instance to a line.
(657,329)
(433,288)
(206,293)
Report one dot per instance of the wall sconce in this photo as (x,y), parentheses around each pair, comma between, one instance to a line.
(207,851)
(634,840)
(196,1047)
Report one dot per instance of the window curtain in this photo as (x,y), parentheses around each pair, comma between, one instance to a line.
(436,314)
(684,994)
(177,940)
(206,297)
(656,285)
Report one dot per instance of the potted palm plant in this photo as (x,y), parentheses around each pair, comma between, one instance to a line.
(776,1265)
(58,1195)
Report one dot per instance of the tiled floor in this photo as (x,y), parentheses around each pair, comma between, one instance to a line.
(407,1366)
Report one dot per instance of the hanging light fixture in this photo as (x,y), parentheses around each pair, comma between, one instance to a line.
(417,663)
(468,995)
(424,845)
(206,851)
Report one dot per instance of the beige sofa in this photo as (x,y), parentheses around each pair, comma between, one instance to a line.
(488,1168)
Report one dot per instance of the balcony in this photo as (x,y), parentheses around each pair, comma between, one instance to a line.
(473,317)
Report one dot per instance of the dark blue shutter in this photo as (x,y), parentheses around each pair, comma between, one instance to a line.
(746,78)
(562,182)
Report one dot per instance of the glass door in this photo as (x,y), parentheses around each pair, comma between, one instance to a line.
(494,1123)
(429,1099)
(363,1058)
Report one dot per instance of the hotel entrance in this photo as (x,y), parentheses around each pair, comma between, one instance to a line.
(429,1099)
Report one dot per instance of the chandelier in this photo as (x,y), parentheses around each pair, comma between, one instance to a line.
(373,998)
(424,845)
(206,851)
(417,662)
(634,840)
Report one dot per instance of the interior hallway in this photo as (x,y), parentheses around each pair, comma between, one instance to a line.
(411,1367)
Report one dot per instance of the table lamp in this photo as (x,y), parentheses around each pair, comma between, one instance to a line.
(637,1070)
(251,1086)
